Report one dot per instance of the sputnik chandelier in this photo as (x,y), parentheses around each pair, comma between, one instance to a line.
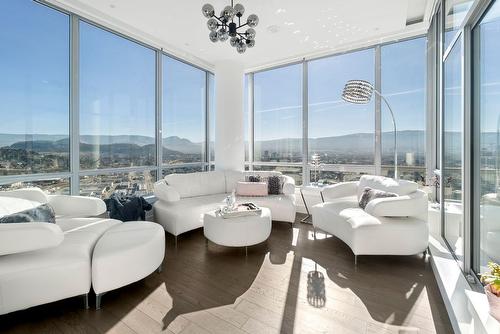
(228,28)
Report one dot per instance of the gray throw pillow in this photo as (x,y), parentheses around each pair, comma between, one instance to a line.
(41,214)
(274,185)
(253,178)
(370,194)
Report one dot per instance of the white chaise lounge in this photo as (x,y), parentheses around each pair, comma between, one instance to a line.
(183,199)
(387,226)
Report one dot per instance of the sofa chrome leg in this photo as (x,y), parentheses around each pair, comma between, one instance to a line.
(86,301)
(159,270)
(355,260)
(175,241)
(98,297)
(314,233)
(246,251)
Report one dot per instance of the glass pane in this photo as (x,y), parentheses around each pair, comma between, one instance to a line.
(131,183)
(341,132)
(404,73)
(184,89)
(246,118)
(455,12)
(278,115)
(55,186)
(212,115)
(34,89)
(487,98)
(452,150)
(117,101)
(182,170)
(332,177)
(295,172)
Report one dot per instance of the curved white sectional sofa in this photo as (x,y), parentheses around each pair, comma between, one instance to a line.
(45,262)
(49,262)
(387,226)
(183,199)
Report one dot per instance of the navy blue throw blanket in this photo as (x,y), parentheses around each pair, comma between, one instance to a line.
(129,209)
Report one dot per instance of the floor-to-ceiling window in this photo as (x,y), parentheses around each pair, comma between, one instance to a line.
(81,106)
(303,122)
(486,69)
(340,133)
(278,120)
(403,84)
(184,106)
(117,110)
(34,94)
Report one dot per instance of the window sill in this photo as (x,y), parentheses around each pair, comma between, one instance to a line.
(468,310)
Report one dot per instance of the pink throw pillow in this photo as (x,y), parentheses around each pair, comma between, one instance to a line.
(251,188)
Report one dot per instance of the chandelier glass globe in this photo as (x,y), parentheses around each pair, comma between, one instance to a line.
(208,10)
(239,9)
(212,24)
(213,36)
(252,20)
(250,33)
(234,41)
(222,35)
(229,25)
(228,13)
(241,48)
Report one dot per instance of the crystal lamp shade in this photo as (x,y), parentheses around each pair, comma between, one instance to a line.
(357,91)
(230,25)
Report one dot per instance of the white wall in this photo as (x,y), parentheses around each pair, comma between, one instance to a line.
(229,141)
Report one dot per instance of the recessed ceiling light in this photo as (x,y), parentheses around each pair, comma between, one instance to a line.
(280,10)
(273,29)
(296,32)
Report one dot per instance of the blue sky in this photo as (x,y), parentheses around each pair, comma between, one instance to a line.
(278,93)
(117,84)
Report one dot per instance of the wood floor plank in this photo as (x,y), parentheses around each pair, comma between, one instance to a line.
(289,284)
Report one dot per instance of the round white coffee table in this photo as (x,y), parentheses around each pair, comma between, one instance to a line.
(238,231)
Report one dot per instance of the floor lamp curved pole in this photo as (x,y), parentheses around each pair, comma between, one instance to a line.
(360,92)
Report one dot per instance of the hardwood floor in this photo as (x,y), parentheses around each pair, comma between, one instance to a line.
(289,284)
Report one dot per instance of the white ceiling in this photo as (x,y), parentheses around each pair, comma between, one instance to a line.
(288,29)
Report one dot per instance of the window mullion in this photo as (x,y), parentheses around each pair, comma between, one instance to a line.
(378,108)
(74,105)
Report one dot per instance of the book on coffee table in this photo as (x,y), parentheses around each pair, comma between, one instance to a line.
(242,210)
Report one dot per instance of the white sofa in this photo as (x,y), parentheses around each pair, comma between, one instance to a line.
(48,262)
(387,226)
(183,199)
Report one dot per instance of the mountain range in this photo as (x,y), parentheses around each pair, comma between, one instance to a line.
(408,141)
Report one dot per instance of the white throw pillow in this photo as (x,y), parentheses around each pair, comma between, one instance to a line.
(25,237)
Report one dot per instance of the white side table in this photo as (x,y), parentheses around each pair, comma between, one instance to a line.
(311,190)
(237,231)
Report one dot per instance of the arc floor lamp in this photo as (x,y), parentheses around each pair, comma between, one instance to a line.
(360,92)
